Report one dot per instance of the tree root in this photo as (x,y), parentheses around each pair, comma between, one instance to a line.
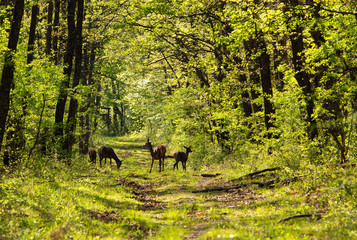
(317,215)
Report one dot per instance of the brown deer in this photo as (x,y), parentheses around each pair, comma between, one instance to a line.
(92,155)
(108,152)
(182,157)
(157,152)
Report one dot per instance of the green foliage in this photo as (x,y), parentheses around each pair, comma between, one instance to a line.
(50,200)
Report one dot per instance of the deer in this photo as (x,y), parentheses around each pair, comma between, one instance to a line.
(92,155)
(182,157)
(108,152)
(157,152)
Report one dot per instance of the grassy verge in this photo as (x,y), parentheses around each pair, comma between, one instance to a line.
(52,201)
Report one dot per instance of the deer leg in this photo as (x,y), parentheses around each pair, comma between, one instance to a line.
(175,165)
(163,163)
(100,160)
(152,163)
(160,164)
(184,166)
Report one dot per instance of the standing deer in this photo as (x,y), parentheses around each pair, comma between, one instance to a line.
(157,152)
(182,157)
(92,155)
(108,152)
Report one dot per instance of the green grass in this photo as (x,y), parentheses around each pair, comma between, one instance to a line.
(85,201)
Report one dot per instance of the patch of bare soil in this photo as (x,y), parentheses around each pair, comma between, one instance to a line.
(106,216)
(144,192)
(213,182)
(235,198)
(149,202)
(197,230)
(133,228)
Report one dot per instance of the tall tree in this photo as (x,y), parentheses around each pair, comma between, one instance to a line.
(265,74)
(49,28)
(55,40)
(32,34)
(68,64)
(302,77)
(9,66)
(73,105)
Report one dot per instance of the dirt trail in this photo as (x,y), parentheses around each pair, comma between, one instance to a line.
(165,192)
(158,196)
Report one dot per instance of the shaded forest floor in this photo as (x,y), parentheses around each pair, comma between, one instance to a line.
(52,201)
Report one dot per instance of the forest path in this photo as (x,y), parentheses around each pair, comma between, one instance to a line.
(168,197)
(52,200)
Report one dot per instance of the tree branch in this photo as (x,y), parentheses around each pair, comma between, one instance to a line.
(317,215)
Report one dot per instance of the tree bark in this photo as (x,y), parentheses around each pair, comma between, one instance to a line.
(73,105)
(49,28)
(56,32)
(265,75)
(32,34)
(302,77)
(9,66)
(68,63)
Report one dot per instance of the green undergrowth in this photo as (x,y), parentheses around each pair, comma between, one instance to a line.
(84,201)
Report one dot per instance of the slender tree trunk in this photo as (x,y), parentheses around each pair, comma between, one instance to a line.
(265,75)
(302,77)
(49,28)
(84,104)
(56,21)
(250,47)
(68,63)
(73,105)
(32,34)
(242,78)
(9,66)
(89,61)
(280,57)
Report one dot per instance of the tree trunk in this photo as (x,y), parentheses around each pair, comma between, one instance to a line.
(302,77)
(56,32)
(73,105)
(265,75)
(90,103)
(9,66)
(250,47)
(49,28)
(62,98)
(32,34)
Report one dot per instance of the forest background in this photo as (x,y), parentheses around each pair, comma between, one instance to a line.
(255,83)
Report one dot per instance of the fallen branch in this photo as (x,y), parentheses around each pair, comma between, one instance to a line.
(210,175)
(277,180)
(260,184)
(250,175)
(267,183)
(317,215)
(218,189)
